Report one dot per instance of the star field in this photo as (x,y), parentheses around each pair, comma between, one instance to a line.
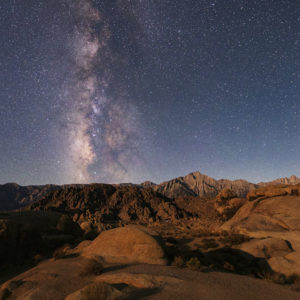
(115,91)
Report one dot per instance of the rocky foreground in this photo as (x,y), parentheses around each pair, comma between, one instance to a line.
(132,242)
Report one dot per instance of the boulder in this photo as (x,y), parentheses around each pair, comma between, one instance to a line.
(287,265)
(267,248)
(127,244)
(277,214)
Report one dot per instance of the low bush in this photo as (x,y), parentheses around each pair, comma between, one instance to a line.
(194,263)
(234,239)
(178,262)
(92,268)
(97,291)
(209,243)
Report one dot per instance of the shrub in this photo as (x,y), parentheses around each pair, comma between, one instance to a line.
(293,278)
(275,277)
(178,262)
(209,243)
(91,268)
(234,239)
(194,263)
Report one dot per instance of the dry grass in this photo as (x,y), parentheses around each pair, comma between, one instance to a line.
(97,291)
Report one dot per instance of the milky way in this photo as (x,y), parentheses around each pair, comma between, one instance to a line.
(101,129)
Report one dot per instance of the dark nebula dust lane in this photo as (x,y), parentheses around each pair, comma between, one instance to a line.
(128,91)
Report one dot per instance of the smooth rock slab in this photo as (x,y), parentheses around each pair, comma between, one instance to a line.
(144,281)
(267,248)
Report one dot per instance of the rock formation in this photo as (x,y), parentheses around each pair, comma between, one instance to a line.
(127,245)
(227,203)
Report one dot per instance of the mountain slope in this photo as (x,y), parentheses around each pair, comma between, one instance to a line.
(104,203)
(14,196)
(197,184)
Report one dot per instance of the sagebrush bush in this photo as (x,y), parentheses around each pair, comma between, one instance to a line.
(178,262)
(234,239)
(194,263)
(92,268)
(209,243)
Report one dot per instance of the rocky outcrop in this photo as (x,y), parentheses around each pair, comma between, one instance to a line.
(273,191)
(272,208)
(128,244)
(227,203)
(288,264)
(267,248)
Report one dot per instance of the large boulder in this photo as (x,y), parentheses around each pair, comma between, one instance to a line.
(267,248)
(128,244)
(288,264)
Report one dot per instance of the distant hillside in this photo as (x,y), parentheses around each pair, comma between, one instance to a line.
(14,196)
(285,180)
(104,203)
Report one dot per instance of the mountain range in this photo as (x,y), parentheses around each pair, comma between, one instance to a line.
(195,184)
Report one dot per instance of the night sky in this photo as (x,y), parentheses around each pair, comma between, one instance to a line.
(118,90)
